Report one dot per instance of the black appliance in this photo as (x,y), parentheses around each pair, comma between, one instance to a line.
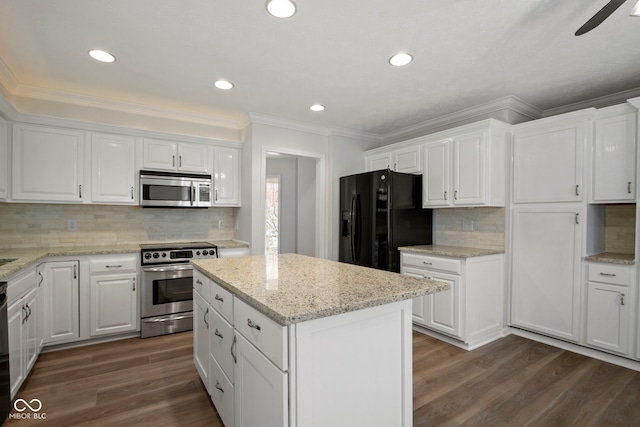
(5,380)
(381,211)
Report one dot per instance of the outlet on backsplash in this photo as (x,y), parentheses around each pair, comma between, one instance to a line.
(72,225)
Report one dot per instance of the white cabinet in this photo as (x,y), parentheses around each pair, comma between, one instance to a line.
(61,301)
(610,304)
(406,159)
(175,156)
(4,160)
(201,336)
(465,168)
(614,155)
(472,310)
(48,164)
(548,158)
(23,314)
(545,277)
(226,176)
(112,169)
(114,290)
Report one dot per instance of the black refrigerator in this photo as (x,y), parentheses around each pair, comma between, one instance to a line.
(379,212)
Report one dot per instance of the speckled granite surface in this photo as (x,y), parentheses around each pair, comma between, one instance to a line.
(612,258)
(293,288)
(30,256)
(450,251)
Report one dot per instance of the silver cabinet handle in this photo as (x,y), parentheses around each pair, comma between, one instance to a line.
(607,274)
(26,316)
(218,334)
(233,344)
(219,298)
(577,189)
(218,386)
(113,266)
(577,218)
(134,284)
(629,187)
(173,160)
(216,195)
(455,195)
(621,299)
(75,271)
(131,193)
(427,263)
(198,282)
(179,161)
(204,317)
(80,191)
(253,325)
(41,278)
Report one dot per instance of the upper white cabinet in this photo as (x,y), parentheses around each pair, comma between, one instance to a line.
(175,156)
(465,167)
(112,169)
(4,160)
(48,164)
(226,176)
(406,160)
(614,155)
(545,277)
(548,158)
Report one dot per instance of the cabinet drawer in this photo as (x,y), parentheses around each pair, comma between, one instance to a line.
(221,340)
(609,273)
(222,301)
(222,393)
(20,285)
(267,335)
(201,283)
(431,262)
(113,265)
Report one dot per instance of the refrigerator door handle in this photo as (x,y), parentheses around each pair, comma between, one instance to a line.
(352,224)
(358,237)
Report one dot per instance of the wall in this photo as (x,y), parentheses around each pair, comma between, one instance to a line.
(306,234)
(488,227)
(45,225)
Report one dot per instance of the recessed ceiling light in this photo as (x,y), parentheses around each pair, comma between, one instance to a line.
(281,8)
(101,55)
(400,59)
(223,84)
(317,107)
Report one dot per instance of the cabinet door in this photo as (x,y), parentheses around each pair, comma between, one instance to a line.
(418,305)
(17,369)
(31,330)
(545,283)
(61,302)
(201,353)
(469,173)
(261,389)
(608,317)
(47,164)
(548,163)
(193,157)
(378,162)
(159,154)
(435,184)
(408,160)
(112,168)
(113,304)
(4,161)
(614,158)
(226,176)
(442,309)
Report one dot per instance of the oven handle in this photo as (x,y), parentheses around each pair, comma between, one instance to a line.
(169,318)
(166,268)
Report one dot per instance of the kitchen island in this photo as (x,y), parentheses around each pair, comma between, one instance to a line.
(314,342)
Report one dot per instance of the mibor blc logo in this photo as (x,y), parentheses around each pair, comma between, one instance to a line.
(28,410)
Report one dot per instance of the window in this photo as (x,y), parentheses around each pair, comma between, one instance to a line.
(272,215)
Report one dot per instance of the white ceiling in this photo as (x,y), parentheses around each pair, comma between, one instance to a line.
(334,52)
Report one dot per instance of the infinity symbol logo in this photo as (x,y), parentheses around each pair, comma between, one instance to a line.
(24,405)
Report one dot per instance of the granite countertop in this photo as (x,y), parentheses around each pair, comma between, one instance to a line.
(24,257)
(612,258)
(294,288)
(451,251)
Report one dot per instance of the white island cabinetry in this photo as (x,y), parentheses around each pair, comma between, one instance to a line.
(320,366)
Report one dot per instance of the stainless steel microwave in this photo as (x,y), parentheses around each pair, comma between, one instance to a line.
(175,190)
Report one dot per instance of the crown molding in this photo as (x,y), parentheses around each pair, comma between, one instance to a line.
(468,115)
(600,102)
(287,124)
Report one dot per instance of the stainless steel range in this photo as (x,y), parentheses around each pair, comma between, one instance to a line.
(167,286)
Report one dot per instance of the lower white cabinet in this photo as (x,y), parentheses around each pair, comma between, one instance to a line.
(61,301)
(471,311)
(23,314)
(201,337)
(610,305)
(114,290)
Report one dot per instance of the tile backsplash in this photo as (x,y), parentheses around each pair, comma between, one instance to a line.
(487,225)
(620,228)
(45,225)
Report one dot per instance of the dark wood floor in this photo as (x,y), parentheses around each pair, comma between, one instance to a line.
(511,382)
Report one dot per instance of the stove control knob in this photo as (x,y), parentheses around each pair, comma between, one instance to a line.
(205,252)
(198,253)
(147,256)
(156,255)
(164,254)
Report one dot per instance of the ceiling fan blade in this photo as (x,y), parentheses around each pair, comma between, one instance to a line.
(599,17)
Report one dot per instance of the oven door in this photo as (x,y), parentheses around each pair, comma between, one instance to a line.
(166,289)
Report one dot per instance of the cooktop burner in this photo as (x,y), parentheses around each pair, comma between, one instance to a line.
(182,252)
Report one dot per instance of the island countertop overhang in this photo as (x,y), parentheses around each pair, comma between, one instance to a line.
(292,288)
